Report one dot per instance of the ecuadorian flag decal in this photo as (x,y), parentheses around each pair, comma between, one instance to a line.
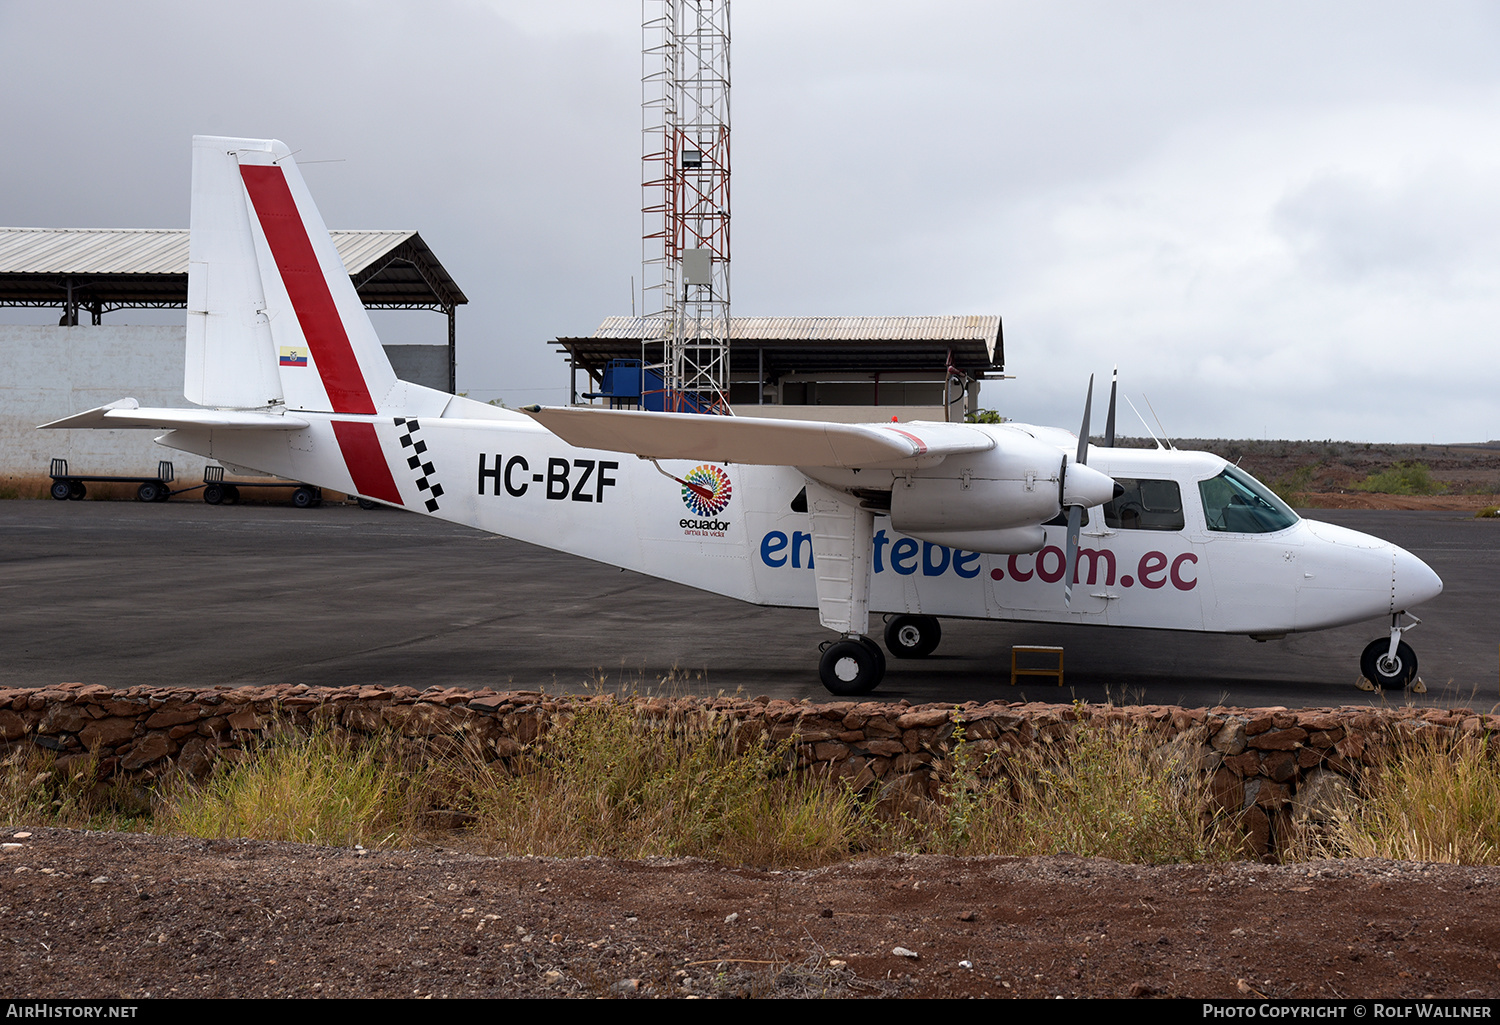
(293,356)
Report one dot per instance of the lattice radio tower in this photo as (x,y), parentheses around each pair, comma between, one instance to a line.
(685,195)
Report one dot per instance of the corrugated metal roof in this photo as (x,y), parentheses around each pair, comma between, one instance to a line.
(822,329)
(780,345)
(147,250)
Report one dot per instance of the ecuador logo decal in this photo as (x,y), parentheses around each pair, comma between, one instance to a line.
(707,490)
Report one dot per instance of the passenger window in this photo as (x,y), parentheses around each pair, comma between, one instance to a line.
(1146,505)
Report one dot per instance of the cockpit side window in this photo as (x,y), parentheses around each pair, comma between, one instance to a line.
(1145,505)
(1237,503)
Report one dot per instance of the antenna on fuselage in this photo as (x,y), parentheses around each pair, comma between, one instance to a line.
(1158,422)
(1144,424)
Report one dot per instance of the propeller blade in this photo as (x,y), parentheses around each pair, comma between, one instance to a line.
(1083,432)
(1109,423)
(1075,521)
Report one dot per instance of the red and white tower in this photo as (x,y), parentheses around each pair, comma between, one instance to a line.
(685,195)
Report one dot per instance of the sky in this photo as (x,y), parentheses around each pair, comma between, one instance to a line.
(1280,219)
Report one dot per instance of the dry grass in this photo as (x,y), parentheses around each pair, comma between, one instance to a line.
(1437,801)
(327,788)
(34,790)
(1105,791)
(610,782)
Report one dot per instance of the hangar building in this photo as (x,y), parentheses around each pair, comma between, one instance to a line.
(48,372)
(847,369)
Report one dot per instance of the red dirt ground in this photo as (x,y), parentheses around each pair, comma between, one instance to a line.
(128,916)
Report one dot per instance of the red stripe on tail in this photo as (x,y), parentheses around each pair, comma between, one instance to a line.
(316,311)
(367,465)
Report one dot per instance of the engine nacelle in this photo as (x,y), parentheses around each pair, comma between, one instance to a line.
(1014,484)
(1010,541)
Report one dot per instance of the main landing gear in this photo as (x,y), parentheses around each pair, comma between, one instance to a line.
(912,636)
(854,664)
(851,665)
(1390,661)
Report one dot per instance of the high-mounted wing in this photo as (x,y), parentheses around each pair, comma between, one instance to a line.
(730,439)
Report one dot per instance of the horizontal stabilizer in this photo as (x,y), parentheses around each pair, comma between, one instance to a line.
(767,442)
(127,413)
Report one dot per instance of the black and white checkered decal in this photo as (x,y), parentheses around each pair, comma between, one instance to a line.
(418,462)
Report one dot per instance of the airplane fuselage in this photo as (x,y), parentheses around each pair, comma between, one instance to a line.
(732,529)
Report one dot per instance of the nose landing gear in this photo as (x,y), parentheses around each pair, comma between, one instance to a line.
(1391,662)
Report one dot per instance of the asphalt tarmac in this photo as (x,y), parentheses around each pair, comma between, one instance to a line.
(183,593)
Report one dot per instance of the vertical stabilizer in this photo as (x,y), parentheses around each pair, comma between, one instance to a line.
(265,240)
(230,358)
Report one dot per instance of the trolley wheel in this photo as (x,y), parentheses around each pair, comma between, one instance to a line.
(149,492)
(365,503)
(62,490)
(232,493)
(304,498)
(213,494)
(76,490)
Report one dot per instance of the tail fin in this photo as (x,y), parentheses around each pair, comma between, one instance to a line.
(272,315)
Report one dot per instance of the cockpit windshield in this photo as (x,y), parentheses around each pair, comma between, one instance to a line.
(1237,503)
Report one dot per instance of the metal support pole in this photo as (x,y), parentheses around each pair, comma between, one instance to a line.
(452,351)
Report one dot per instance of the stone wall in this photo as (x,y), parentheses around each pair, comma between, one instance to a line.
(1270,766)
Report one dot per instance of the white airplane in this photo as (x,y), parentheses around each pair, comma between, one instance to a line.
(917,520)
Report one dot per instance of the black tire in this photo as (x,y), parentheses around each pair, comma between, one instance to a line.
(304,498)
(213,494)
(163,492)
(1399,673)
(365,503)
(232,493)
(851,667)
(912,636)
(149,492)
(76,490)
(62,490)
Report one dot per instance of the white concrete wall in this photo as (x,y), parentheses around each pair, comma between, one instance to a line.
(50,372)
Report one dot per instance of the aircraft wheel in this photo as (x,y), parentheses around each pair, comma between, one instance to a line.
(76,490)
(62,490)
(303,498)
(149,492)
(1397,672)
(213,494)
(851,667)
(912,636)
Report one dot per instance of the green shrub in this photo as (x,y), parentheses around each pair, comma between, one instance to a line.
(1402,479)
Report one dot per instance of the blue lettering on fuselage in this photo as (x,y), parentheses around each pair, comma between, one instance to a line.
(906,556)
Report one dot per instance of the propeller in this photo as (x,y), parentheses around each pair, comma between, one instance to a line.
(1109,422)
(1075,512)
(1080,487)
